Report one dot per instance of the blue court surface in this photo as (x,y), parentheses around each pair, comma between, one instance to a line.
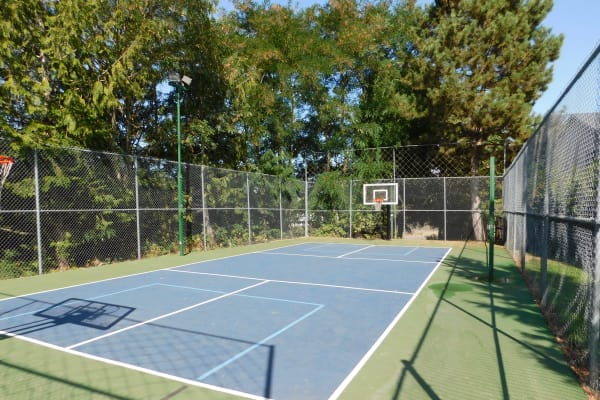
(294,322)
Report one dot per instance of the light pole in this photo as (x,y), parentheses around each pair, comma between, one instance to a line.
(177,81)
(507,141)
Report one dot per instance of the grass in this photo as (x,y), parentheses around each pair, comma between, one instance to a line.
(567,296)
(462,338)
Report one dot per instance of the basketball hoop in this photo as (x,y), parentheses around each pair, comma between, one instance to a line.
(378,203)
(6,163)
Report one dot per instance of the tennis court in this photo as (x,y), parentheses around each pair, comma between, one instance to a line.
(294,322)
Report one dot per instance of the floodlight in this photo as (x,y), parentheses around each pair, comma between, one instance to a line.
(187,80)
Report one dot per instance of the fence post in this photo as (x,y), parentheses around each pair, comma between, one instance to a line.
(445,209)
(350,228)
(403,207)
(524,206)
(594,332)
(393,217)
(305,199)
(545,224)
(394,164)
(248,205)
(492,212)
(137,208)
(204,219)
(280,212)
(38,220)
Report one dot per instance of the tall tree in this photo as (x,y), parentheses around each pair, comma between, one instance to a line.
(84,73)
(483,64)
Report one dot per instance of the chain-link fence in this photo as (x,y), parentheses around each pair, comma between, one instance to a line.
(551,207)
(63,208)
(427,209)
(413,161)
(68,207)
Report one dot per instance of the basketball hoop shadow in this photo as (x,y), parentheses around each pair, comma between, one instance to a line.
(88,313)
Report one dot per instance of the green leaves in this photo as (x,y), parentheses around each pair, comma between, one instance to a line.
(484,65)
(270,82)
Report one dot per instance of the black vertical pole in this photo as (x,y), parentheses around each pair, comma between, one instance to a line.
(388,217)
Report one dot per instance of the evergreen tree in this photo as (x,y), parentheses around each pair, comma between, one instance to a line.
(482,65)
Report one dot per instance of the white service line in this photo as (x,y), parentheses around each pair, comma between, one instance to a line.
(134,367)
(410,251)
(166,315)
(385,333)
(351,258)
(296,282)
(355,251)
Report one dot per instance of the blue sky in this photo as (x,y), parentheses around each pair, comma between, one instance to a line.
(577,20)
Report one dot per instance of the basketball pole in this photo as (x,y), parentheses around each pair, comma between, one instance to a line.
(388,213)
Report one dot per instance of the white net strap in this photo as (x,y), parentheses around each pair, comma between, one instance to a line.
(4,171)
(5,167)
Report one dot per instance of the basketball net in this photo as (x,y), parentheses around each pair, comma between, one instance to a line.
(378,203)
(6,164)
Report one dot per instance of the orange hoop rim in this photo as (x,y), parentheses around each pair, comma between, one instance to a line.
(6,160)
(379,200)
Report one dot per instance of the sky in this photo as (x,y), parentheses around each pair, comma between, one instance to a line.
(577,20)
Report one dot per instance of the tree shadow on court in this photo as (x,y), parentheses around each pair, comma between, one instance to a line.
(503,299)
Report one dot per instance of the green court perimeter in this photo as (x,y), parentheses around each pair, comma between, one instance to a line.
(462,338)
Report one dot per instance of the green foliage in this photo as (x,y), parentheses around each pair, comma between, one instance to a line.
(481,66)
(13,266)
(328,192)
(270,83)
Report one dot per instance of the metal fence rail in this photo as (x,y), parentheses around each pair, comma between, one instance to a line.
(65,207)
(551,206)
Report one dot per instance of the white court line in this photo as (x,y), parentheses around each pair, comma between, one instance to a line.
(165,315)
(24,296)
(385,333)
(258,344)
(411,251)
(134,367)
(48,304)
(350,258)
(295,282)
(355,251)
(319,246)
